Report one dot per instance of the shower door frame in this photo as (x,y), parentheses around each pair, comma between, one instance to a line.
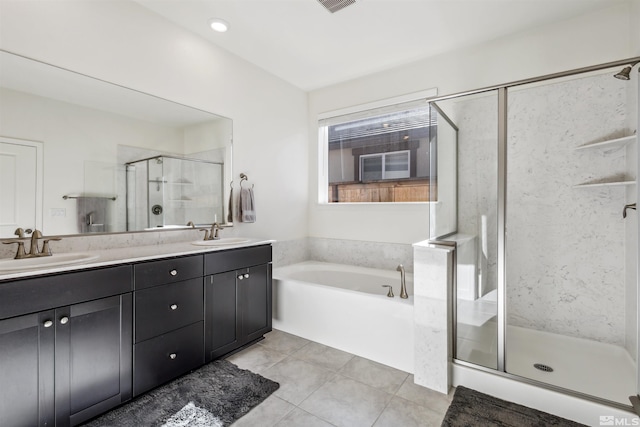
(502,91)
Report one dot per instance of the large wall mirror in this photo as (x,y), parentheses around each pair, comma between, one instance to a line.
(80,155)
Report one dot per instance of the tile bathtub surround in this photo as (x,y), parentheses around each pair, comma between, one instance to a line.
(322,386)
(287,252)
(381,255)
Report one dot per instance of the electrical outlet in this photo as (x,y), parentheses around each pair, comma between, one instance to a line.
(57,212)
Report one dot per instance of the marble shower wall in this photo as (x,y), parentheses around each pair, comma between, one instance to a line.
(477,120)
(566,245)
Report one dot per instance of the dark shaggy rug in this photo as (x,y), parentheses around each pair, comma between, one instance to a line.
(472,408)
(215,395)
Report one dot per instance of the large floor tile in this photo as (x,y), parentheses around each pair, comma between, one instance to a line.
(297,378)
(423,396)
(256,358)
(401,412)
(283,342)
(346,402)
(266,414)
(374,374)
(323,355)
(300,418)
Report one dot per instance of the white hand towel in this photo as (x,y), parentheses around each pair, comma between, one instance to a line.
(247,205)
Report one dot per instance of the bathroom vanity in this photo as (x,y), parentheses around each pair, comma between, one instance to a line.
(79,341)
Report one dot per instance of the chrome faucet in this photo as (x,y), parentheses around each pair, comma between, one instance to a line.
(403,283)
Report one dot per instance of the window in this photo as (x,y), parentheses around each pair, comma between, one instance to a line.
(378,155)
(393,165)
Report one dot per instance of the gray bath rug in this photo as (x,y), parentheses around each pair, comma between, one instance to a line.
(472,408)
(215,395)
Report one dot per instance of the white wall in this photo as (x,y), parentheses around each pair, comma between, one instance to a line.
(582,41)
(124,43)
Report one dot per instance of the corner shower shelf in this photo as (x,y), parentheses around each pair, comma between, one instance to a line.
(612,143)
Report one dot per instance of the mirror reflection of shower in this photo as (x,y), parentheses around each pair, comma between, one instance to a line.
(169,191)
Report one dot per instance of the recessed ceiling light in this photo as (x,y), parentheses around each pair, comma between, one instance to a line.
(219,25)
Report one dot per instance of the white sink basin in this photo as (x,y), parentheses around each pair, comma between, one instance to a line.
(221,242)
(55,260)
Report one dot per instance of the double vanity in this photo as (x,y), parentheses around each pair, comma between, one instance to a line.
(77,340)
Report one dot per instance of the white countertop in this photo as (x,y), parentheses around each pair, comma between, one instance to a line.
(115,256)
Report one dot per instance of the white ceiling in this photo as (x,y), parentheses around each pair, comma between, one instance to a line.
(304,44)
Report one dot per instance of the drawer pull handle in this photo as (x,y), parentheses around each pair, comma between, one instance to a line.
(48,324)
(172,356)
(173,306)
(240,277)
(173,272)
(64,320)
(246,275)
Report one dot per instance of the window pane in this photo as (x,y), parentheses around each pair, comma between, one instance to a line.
(389,149)
(371,168)
(396,165)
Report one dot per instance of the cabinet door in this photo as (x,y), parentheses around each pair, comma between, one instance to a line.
(255,289)
(222,320)
(26,370)
(93,358)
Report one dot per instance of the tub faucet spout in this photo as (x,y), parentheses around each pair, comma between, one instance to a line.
(403,283)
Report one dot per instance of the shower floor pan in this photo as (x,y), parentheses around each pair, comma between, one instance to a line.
(602,370)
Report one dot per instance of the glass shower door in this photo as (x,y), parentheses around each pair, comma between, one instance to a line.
(472,224)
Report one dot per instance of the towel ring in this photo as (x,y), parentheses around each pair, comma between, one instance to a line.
(243,177)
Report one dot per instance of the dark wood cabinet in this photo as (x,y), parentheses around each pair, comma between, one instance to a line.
(65,365)
(74,345)
(237,302)
(27,370)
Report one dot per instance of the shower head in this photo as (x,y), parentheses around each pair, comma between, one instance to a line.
(625,73)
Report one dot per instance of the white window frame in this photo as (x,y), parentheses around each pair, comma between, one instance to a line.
(384,170)
(323,138)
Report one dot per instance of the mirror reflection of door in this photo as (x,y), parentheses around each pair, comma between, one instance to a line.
(20,185)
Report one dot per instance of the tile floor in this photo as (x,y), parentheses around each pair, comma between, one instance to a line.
(321,386)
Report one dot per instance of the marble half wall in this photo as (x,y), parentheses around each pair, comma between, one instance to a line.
(385,256)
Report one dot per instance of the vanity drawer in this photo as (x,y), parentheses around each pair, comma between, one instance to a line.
(222,261)
(168,307)
(163,358)
(31,295)
(154,273)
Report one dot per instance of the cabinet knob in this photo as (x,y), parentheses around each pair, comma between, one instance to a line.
(173,356)
(246,275)
(240,277)
(48,324)
(173,272)
(64,320)
(173,306)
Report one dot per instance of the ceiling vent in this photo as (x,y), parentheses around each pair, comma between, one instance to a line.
(335,5)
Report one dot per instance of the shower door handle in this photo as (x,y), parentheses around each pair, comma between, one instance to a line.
(630,206)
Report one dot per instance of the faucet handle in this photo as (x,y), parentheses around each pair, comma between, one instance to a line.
(45,246)
(390,293)
(20,253)
(206,233)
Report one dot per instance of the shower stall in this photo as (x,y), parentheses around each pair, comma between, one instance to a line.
(168,192)
(546,288)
